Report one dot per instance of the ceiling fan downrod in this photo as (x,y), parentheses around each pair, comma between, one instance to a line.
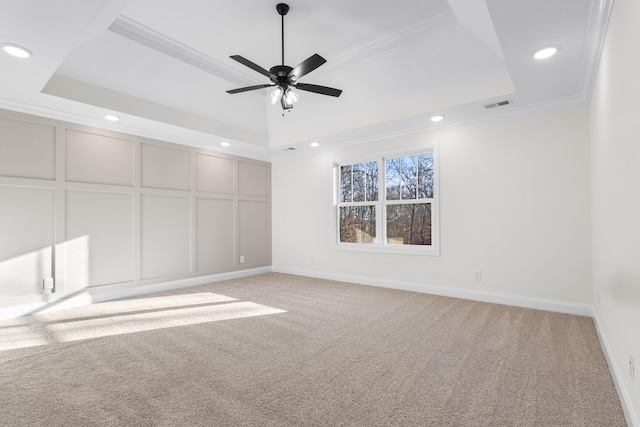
(282,9)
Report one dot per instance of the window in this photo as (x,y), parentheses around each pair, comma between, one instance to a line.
(388,204)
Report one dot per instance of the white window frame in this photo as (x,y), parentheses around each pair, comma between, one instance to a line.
(381,212)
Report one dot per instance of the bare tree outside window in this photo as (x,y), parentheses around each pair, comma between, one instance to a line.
(357,213)
(358,224)
(372,180)
(404,212)
(425,176)
(409,224)
(409,178)
(345,183)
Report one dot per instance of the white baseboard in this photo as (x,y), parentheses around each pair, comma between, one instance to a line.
(95,295)
(625,399)
(492,297)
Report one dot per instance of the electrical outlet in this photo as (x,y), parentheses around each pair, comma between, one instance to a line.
(241,259)
(632,367)
(47,285)
(477,275)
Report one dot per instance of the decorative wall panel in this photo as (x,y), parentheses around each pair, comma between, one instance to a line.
(99,238)
(253,179)
(27,150)
(26,239)
(253,232)
(99,159)
(214,174)
(214,236)
(165,168)
(165,236)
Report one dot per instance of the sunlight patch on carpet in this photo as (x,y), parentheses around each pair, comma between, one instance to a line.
(125,317)
(130,323)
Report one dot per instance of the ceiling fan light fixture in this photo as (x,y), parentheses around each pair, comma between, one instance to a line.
(288,98)
(291,97)
(276,94)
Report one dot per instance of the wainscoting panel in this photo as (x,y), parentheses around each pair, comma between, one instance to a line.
(103,212)
(99,239)
(214,174)
(26,149)
(253,179)
(253,232)
(26,239)
(99,159)
(165,236)
(165,168)
(214,238)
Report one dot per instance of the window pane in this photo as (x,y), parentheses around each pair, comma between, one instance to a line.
(393,179)
(425,176)
(409,224)
(408,172)
(372,181)
(358,224)
(345,183)
(358,182)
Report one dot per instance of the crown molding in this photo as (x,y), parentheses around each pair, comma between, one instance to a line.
(421,123)
(597,30)
(442,17)
(187,137)
(139,33)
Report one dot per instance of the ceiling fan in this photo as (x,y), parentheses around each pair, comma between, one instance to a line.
(285,78)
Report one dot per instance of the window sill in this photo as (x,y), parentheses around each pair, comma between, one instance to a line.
(390,249)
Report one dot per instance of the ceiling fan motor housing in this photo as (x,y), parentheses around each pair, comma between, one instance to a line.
(279,74)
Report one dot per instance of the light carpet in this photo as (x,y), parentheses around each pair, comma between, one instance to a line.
(282,350)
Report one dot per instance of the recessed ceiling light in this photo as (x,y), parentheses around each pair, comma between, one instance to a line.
(111,117)
(437,118)
(15,50)
(225,144)
(314,144)
(545,53)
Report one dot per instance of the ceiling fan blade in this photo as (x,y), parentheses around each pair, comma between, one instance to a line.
(323,90)
(306,66)
(248,88)
(253,66)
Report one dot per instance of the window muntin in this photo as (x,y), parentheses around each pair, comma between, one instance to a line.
(402,214)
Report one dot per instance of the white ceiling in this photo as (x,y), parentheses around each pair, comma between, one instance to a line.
(163,66)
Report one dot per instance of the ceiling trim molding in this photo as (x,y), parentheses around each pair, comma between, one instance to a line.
(597,30)
(88,94)
(420,123)
(189,138)
(390,39)
(139,33)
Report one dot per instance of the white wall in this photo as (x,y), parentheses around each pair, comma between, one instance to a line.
(515,203)
(102,212)
(615,136)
